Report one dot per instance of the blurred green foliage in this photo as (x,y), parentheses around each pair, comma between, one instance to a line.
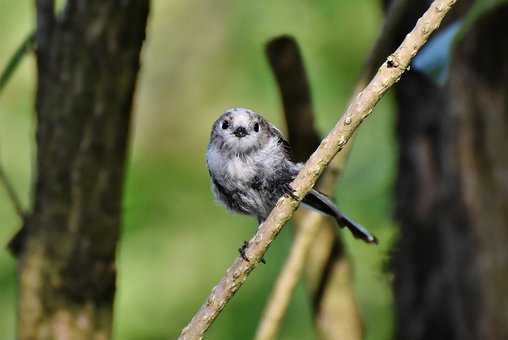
(200,58)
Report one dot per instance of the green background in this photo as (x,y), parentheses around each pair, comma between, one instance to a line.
(200,58)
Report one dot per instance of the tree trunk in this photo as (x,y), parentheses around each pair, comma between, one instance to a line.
(434,295)
(450,263)
(87,66)
(479,101)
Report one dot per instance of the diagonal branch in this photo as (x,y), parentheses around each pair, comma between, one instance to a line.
(6,75)
(360,108)
(26,46)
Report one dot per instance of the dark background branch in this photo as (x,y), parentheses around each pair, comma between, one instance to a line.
(289,70)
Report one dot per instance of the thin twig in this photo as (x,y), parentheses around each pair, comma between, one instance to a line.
(361,107)
(25,47)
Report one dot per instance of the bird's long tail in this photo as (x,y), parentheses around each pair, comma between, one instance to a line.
(322,203)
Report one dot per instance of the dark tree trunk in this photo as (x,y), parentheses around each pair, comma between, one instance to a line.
(434,295)
(479,102)
(451,261)
(87,63)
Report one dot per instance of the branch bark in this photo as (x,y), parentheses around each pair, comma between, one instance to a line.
(388,74)
(87,66)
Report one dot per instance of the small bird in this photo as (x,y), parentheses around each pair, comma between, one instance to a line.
(250,169)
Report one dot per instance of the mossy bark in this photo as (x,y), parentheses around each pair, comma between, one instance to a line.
(88,58)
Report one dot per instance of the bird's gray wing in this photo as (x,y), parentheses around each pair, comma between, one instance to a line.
(282,141)
(229,198)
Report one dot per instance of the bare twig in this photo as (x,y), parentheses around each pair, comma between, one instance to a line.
(388,74)
(13,63)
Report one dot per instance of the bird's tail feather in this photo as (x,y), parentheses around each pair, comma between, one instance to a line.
(322,203)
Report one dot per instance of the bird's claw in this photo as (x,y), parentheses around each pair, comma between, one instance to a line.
(242,249)
(289,191)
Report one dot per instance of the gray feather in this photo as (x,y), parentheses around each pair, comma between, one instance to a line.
(251,170)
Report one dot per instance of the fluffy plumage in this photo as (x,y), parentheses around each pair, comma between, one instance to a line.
(250,169)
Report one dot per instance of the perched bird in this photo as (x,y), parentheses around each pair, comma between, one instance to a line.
(250,169)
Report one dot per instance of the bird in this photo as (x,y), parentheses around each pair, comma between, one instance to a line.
(250,168)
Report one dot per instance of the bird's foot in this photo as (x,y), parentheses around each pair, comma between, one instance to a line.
(289,191)
(242,249)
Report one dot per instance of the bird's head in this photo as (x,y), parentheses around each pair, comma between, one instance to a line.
(240,131)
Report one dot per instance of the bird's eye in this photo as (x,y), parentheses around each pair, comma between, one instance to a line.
(225,124)
(256,127)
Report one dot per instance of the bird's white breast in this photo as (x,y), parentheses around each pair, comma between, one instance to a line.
(236,168)
(270,156)
(243,169)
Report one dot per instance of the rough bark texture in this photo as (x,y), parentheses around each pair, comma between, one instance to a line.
(479,92)
(450,264)
(87,63)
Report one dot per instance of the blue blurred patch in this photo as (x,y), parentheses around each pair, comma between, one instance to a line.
(433,58)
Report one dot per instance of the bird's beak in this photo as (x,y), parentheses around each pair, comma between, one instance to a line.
(240,132)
